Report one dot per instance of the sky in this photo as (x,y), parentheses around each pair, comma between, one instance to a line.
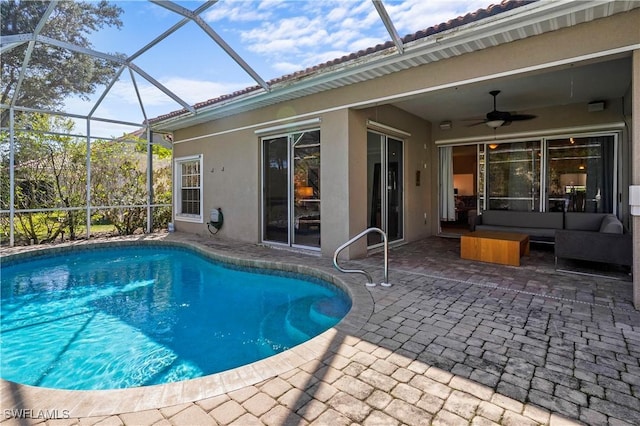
(275,38)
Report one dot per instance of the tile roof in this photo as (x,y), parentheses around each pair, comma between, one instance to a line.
(470,17)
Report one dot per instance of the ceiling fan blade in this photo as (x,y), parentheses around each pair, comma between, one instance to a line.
(476,123)
(496,118)
(521,117)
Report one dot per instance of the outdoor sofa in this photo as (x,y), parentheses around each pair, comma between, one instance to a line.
(595,237)
(540,226)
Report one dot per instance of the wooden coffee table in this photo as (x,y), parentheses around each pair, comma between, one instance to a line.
(505,248)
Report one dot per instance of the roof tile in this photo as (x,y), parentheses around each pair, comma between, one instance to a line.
(491,10)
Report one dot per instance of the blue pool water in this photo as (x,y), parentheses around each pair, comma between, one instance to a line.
(125,317)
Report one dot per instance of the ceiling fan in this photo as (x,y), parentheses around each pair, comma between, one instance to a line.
(495,118)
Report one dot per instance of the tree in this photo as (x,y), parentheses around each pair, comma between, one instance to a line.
(54,73)
(50,172)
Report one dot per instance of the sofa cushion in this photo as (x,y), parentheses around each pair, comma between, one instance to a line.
(515,219)
(595,247)
(611,225)
(547,233)
(583,221)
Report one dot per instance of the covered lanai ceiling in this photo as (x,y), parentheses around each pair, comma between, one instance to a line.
(508,21)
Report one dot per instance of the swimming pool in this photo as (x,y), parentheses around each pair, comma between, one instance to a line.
(127,317)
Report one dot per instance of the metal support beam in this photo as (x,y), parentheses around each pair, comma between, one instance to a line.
(150,194)
(6,47)
(16,38)
(67,114)
(119,60)
(23,69)
(88,160)
(171,30)
(45,16)
(195,17)
(391,29)
(12,178)
(106,91)
(80,49)
(29,52)
(162,88)
(135,87)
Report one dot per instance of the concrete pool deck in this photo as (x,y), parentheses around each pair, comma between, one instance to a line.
(451,342)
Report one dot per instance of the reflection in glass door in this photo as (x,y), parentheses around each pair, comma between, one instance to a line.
(306,189)
(385,192)
(580,174)
(291,196)
(275,177)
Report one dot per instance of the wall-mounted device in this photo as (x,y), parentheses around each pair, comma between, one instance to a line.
(634,199)
(216,219)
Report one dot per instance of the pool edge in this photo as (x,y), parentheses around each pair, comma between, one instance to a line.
(87,403)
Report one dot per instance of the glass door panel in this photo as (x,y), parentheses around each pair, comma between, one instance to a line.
(513,176)
(275,190)
(394,190)
(375,185)
(385,191)
(580,174)
(306,189)
(291,195)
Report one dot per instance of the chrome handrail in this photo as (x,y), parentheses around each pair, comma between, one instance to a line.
(370,282)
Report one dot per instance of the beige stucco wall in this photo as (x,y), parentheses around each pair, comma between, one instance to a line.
(344,113)
(336,202)
(231,164)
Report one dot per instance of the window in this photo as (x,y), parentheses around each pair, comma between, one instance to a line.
(513,176)
(188,184)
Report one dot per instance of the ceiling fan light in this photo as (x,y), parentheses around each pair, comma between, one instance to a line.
(494,123)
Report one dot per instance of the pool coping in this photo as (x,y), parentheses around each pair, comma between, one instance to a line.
(84,403)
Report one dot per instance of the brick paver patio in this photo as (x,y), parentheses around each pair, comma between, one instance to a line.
(452,342)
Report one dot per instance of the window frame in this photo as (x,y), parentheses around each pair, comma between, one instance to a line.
(178,215)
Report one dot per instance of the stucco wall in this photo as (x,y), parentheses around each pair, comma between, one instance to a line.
(230,181)
(334,181)
(231,177)
(344,113)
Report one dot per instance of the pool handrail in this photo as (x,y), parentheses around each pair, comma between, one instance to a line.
(369,282)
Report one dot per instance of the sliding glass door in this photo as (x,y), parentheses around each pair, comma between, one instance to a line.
(572,174)
(513,171)
(291,189)
(385,192)
(581,174)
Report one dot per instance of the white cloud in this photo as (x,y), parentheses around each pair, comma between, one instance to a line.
(286,67)
(234,11)
(411,16)
(189,90)
(121,103)
(337,14)
(365,43)
(310,31)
